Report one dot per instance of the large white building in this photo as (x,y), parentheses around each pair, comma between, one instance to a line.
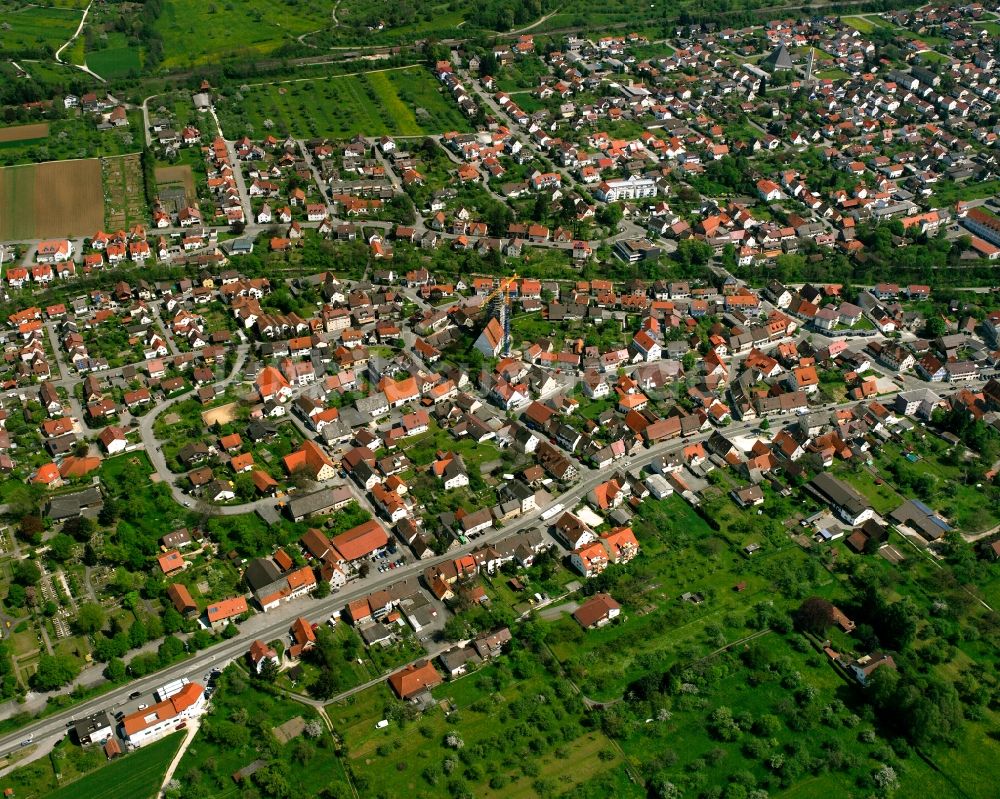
(983,224)
(54,251)
(146,726)
(631,188)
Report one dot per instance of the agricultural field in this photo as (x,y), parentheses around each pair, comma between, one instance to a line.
(198,33)
(124,193)
(138,774)
(58,198)
(398,102)
(35,30)
(67,138)
(17,134)
(75,773)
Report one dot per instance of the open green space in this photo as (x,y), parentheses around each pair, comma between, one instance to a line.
(769,689)
(136,775)
(865,24)
(196,33)
(239,731)
(382,22)
(35,30)
(833,74)
(935,474)
(116,59)
(681,554)
(512,728)
(70,772)
(933,57)
(402,102)
(71,137)
(148,509)
(883,498)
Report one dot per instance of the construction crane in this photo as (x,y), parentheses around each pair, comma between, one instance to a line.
(498,302)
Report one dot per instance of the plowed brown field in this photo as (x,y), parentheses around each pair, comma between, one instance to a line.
(57,198)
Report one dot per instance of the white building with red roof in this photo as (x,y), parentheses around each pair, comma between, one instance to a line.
(152,723)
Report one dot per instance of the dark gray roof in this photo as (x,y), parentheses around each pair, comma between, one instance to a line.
(260,572)
(778,59)
(66,506)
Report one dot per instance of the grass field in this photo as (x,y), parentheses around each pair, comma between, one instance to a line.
(74,773)
(136,776)
(117,60)
(59,198)
(864,24)
(949,192)
(24,133)
(35,30)
(833,74)
(400,102)
(934,57)
(196,33)
(993,28)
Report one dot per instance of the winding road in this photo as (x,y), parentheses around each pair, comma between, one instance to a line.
(79,30)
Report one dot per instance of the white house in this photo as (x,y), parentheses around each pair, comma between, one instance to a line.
(146,726)
(54,251)
(631,188)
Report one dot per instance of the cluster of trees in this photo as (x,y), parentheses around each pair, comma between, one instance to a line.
(148,161)
(22,590)
(118,639)
(149,35)
(919,263)
(911,481)
(241,720)
(331,656)
(16,94)
(923,709)
(8,675)
(974,433)
(55,671)
(502,15)
(471,620)
(882,624)
(728,175)
(703,690)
